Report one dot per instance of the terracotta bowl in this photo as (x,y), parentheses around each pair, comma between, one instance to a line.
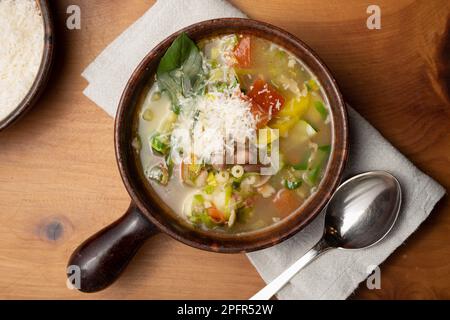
(102,257)
(43,73)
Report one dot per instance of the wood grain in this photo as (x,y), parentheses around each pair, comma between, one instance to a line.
(59,182)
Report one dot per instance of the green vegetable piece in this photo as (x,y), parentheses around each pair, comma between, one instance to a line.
(169,163)
(158,173)
(244,214)
(222,86)
(236,183)
(199,215)
(209,189)
(202,218)
(292,184)
(303,165)
(313,175)
(311,85)
(325,148)
(321,109)
(160,144)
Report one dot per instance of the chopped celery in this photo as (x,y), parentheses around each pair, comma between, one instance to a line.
(198,213)
(303,165)
(292,184)
(321,109)
(311,85)
(313,175)
(199,198)
(209,189)
(160,143)
(202,218)
(169,163)
(325,148)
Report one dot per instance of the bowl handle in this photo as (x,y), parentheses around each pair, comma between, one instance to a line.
(99,260)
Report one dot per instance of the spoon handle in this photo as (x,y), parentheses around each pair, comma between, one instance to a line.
(279,282)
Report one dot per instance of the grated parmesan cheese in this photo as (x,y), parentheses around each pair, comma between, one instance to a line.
(208,124)
(21,49)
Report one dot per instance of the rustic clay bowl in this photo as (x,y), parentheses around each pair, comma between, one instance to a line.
(43,73)
(102,257)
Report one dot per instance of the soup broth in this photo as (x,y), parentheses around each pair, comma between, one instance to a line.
(232,88)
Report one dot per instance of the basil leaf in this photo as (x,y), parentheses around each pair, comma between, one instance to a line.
(180,71)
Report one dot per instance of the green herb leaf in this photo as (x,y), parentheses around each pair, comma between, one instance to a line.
(180,70)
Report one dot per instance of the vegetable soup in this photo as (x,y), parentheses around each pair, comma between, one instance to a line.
(232,132)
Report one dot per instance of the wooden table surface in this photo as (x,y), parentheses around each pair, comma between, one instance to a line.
(59,182)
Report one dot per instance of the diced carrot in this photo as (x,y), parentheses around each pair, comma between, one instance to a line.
(266,101)
(242,52)
(217,215)
(286,201)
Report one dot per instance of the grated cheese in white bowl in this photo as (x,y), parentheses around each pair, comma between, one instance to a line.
(21,50)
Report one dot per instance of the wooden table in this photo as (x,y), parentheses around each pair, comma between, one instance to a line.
(59,182)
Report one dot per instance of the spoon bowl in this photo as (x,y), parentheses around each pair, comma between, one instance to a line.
(360,214)
(363,210)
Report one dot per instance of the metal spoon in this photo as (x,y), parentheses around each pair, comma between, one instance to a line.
(360,213)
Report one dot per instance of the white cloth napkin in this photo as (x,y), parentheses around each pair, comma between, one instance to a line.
(337,273)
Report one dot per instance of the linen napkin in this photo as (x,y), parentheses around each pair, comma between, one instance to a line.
(337,273)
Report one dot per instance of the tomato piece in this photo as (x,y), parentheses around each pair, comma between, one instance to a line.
(266,101)
(215,214)
(242,52)
(286,201)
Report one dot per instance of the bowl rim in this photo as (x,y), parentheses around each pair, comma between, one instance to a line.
(248,241)
(43,74)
